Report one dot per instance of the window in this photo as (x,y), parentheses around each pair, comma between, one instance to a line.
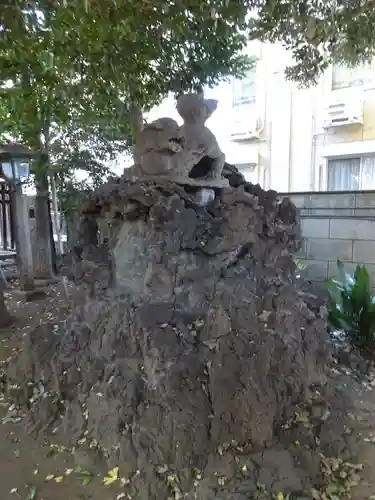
(244,90)
(351,174)
(244,105)
(345,76)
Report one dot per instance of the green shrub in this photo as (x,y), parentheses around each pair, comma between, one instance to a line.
(352,306)
(300,267)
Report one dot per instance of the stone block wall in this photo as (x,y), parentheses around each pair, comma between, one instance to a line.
(336,225)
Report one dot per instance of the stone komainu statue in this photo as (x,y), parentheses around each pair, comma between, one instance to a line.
(167,150)
(199,141)
(158,145)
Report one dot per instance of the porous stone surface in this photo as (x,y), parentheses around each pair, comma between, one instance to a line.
(191,367)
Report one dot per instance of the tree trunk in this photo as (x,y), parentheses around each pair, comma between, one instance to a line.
(43,243)
(136,117)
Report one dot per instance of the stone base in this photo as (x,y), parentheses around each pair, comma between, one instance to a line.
(42,282)
(29,295)
(187,181)
(208,183)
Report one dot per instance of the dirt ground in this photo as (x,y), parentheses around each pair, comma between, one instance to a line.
(39,470)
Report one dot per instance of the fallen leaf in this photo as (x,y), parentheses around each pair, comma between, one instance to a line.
(124,481)
(112,476)
(315,494)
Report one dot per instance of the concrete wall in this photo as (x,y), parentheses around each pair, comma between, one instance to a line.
(338,225)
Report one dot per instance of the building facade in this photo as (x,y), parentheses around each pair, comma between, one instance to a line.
(292,139)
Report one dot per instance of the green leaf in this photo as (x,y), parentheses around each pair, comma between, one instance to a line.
(344,278)
(32,493)
(361,291)
(85,480)
(334,292)
(352,306)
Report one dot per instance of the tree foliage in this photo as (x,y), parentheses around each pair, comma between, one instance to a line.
(73,74)
(44,102)
(210,35)
(77,67)
(317,32)
(161,45)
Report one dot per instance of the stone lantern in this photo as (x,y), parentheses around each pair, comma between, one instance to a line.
(15,162)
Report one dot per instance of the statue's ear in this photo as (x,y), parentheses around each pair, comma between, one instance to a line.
(211,105)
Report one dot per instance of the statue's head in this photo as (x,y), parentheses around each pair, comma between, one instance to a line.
(194,108)
(160,135)
(167,125)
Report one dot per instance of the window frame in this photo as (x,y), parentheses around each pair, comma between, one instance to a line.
(361,157)
(353,81)
(239,97)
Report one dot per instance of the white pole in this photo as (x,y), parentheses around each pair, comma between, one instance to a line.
(55,215)
(55,207)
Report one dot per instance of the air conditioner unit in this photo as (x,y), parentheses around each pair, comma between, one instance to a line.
(348,111)
(246,130)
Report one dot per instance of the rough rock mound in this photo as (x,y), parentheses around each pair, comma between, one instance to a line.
(186,372)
